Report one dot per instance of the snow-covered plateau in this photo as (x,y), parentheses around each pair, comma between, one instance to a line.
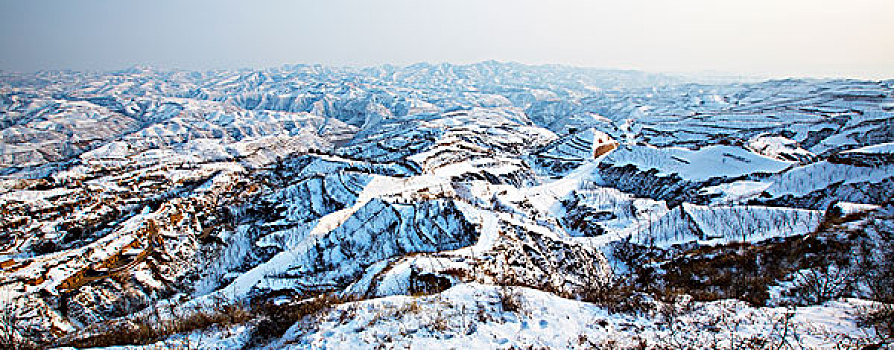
(491,205)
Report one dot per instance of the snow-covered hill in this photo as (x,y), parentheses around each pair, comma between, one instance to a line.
(488,205)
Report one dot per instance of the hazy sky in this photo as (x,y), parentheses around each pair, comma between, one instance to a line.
(757,37)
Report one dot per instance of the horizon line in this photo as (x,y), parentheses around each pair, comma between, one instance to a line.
(707,73)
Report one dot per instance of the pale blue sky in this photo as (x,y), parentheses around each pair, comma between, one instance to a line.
(852,38)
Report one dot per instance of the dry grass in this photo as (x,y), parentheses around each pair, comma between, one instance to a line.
(736,270)
(150,329)
(271,322)
(275,320)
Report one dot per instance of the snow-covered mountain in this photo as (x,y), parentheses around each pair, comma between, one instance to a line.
(492,205)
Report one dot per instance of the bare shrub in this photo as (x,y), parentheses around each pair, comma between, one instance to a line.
(510,299)
(816,286)
(10,338)
(631,254)
(276,319)
(877,266)
(881,318)
(616,294)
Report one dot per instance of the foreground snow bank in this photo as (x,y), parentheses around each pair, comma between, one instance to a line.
(476,316)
